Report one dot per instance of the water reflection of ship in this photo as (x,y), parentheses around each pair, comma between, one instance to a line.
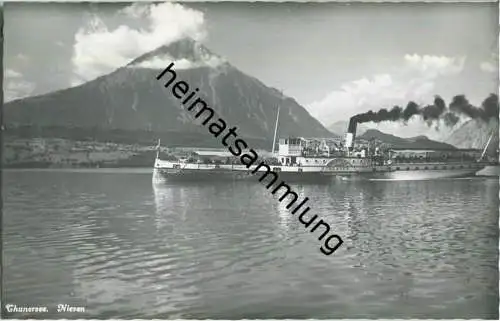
(167,199)
(359,203)
(287,219)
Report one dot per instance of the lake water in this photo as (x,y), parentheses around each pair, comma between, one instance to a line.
(111,242)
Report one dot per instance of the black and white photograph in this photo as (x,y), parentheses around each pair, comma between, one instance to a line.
(250,160)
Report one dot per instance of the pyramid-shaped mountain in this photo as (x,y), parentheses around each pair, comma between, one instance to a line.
(130,99)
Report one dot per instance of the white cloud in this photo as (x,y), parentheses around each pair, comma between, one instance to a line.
(487,66)
(15,86)
(433,66)
(10,73)
(22,57)
(415,81)
(98,50)
(160,62)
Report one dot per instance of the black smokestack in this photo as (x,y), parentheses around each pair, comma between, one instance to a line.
(353,125)
(350,136)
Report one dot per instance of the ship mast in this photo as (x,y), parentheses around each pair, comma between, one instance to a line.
(158,149)
(486,147)
(276,129)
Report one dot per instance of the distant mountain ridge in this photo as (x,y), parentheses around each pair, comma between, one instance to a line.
(339,128)
(475,134)
(131,99)
(419,142)
(472,134)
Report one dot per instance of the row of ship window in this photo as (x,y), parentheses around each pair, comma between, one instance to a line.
(324,161)
(435,167)
(277,169)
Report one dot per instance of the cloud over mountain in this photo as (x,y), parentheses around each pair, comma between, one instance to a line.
(184,54)
(132,102)
(99,50)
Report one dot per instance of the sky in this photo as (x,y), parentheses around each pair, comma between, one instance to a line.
(335,59)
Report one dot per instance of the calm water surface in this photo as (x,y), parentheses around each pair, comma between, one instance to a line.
(116,245)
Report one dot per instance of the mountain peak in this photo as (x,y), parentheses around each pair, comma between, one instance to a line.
(474,134)
(131,100)
(185,53)
(421,142)
(417,138)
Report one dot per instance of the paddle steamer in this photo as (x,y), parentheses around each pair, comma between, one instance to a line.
(320,159)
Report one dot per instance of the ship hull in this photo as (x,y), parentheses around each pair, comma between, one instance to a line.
(489,171)
(168,171)
(169,175)
(428,174)
(433,171)
(189,175)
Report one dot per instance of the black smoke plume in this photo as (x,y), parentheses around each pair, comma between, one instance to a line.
(488,109)
(431,113)
(450,119)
